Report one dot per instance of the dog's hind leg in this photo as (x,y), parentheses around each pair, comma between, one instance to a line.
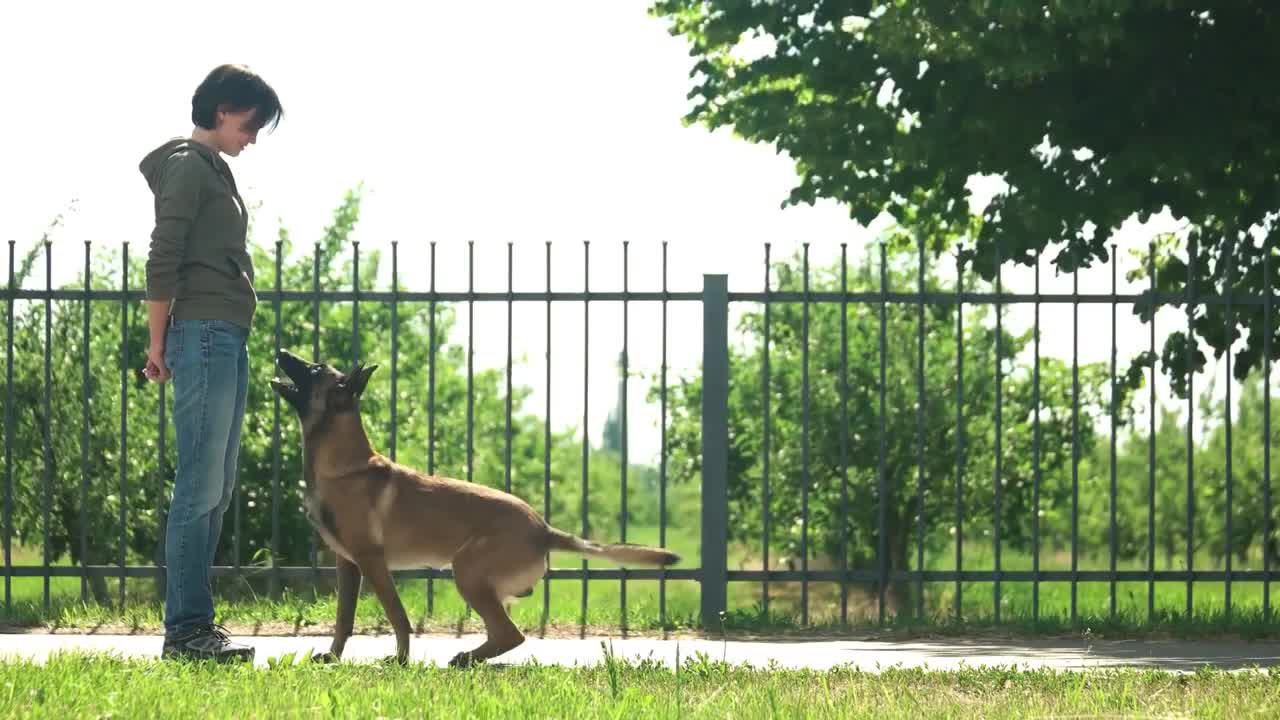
(374,567)
(481,578)
(503,635)
(349,580)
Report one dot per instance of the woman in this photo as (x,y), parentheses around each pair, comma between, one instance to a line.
(201,304)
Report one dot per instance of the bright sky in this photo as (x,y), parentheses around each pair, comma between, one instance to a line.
(489,122)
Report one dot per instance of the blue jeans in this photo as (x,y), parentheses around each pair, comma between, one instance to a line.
(210,365)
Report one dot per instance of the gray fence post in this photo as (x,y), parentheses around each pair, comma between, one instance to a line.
(715,447)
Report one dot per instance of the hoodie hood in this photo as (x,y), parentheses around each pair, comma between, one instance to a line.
(153,164)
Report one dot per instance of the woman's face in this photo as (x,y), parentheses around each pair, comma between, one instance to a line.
(235,130)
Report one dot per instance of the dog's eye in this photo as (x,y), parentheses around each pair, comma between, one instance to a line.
(315,371)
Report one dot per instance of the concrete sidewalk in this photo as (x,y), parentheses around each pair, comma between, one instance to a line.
(939,654)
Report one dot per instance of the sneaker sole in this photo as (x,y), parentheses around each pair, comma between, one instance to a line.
(221,658)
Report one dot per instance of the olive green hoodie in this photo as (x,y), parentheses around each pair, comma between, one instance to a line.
(198,259)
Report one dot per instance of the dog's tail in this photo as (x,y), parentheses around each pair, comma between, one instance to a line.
(624,553)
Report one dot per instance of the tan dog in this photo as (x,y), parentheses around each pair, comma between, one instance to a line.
(378,516)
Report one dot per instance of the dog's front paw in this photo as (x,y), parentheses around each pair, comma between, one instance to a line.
(464,660)
(325,658)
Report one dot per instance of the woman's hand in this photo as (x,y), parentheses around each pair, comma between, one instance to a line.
(157,322)
(156,371)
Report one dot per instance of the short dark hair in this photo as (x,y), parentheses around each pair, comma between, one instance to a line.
(235,88)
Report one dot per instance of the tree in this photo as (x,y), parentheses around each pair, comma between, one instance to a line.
(148,474)
(48,449)
(611,435)
(956,455)
(1248,510)
(1090,112)
(1136,473)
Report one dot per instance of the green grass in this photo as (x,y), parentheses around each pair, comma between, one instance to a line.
(301,610)
(1017,607)
(1093,598)
(80,685)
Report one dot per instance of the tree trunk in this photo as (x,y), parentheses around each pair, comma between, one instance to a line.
(96,583)
(98,588)
(900,594)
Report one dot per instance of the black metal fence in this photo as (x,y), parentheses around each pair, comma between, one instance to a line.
(715,299)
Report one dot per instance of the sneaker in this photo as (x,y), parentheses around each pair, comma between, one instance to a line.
(207,642)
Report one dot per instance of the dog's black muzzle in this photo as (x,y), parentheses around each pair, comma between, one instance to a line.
(298,371)
(295,368)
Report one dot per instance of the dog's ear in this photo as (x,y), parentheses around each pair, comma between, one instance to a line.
(358,378)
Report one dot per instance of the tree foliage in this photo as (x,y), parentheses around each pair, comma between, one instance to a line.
(1091,112)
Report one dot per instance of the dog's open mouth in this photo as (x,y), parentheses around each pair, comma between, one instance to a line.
(285,387)
(293,380)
